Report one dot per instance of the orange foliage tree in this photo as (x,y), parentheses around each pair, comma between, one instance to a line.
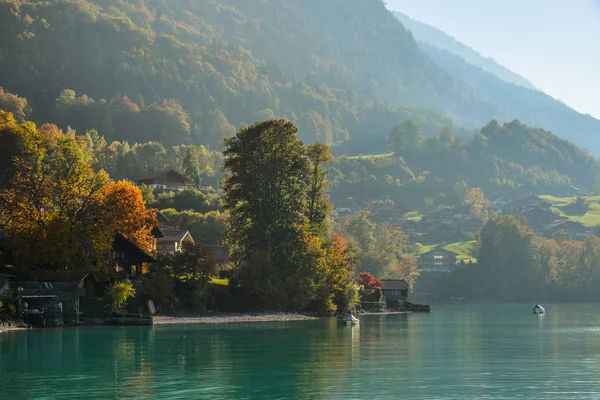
(61,214)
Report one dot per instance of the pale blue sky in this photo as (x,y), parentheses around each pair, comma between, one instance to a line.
(553,43)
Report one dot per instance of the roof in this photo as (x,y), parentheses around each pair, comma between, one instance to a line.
(220,254)
(157,232)
(156,174)
(61,276)
(537,209)
(440,251)
(162,219)
(174,236)
(569,222)
(133,248)
(394,284)
(9,276)
(398,207)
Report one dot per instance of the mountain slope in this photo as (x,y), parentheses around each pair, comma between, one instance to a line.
(511,101)
(429,34)
(195,70)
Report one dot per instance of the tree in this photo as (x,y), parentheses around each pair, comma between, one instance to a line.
(61,214)
(193,264)
(124,211)
(274,254)
(369,282)
(506,253)
(191,165)
(405,137)
(476,200)
(317,203)
(362,229)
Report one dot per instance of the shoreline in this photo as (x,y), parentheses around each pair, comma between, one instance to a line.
(6,328)
(227,318)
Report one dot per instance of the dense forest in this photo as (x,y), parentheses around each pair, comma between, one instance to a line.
(194,71)
(512,96)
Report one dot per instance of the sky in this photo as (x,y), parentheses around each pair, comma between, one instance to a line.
(555,44)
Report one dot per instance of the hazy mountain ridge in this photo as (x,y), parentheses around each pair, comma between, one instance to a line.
(429,34)
(492,85)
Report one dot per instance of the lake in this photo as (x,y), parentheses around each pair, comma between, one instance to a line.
(458,351)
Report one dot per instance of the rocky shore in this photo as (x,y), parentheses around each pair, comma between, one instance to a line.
(226,318)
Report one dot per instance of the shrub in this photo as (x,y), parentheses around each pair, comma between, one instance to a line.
(119,293)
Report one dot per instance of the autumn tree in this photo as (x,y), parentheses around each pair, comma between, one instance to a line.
(369,282)
(336,289)
(61,214)
(476,200)
(124,211)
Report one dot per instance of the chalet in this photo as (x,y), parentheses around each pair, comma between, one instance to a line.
(128,257)
(539,218)
(173,241)
(392,214)
(575,229)
(395,289)
(526,203)
(439,261)
(166,180)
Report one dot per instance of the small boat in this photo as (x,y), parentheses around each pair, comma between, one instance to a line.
(538,309)
(351,320)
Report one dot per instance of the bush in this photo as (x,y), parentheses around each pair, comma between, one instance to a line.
(118,295)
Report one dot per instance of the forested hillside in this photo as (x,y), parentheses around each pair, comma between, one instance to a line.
(194,71)
(423,171)
(511,95)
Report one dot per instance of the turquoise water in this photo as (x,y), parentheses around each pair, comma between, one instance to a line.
(456,352)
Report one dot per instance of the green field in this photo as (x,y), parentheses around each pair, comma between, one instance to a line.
(221,282)
(590,218)
(371,156)
(464,250)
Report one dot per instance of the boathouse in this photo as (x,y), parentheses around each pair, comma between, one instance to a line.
(395,289)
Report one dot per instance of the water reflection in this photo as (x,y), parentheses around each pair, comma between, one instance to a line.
(457,352)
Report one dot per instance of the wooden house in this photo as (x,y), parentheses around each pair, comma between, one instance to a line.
(440,260)
(165,181)
(521,204)
(173,241)
(577,230)
(539,218)
(395,289)
(129,258)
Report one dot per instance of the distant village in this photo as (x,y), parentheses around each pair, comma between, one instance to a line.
(447,225)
